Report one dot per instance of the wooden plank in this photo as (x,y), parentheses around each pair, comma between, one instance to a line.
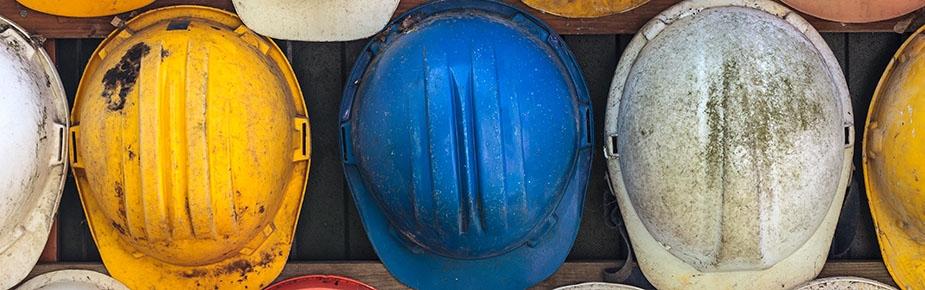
(50,252)
(63,27)
(321,231)
(375,274)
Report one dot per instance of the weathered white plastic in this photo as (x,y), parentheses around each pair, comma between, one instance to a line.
(844,283)
(33,121)
(72,280)
(598,286)
(729,138)
(316,20)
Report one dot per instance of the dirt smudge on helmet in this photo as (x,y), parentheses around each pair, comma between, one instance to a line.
(123,76)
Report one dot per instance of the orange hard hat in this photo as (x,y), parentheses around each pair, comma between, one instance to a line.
(856,11)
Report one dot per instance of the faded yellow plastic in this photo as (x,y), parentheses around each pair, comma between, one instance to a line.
(191,152)
(894,163)
(584,8)
(84,8)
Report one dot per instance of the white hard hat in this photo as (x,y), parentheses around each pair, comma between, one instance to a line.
(316,20)
(844,283)
(72,280)
(598,286)
(33,119)
(729,138)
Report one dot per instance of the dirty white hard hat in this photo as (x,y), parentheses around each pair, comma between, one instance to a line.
(72,280)
(33,121)
(598,286)
(729,139)
(316,20)
(844,283)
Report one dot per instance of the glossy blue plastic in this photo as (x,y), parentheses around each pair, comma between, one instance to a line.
(466,129)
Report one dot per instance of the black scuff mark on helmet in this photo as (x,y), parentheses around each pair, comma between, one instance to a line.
(164,53)
(123,76)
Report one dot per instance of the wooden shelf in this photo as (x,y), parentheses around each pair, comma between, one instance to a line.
(374,273)
(63,27)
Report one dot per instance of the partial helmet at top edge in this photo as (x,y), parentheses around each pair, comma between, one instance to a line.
(856,11)
(729,137)
(584,8)
(84,8)
(316,20)
(33,119)
(191,148)
(466,133)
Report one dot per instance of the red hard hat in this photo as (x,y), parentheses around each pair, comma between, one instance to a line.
(320,282)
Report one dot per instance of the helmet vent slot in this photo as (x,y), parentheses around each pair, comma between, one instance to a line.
(61,144)
(848,138)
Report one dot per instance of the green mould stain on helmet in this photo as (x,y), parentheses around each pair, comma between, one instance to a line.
(729,138)
(33,119)
(466,137)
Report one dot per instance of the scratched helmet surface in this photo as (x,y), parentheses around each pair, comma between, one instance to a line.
(893,161)
(190,151)
(726,143)
(84,8)
(33,119)
(584,8)
(467,155)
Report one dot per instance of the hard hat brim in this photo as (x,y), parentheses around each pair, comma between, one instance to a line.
(316,20)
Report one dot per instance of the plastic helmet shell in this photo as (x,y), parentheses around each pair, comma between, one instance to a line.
(190,151)
(33,119)
(316,20)
(468,156)
(729,139)
(84,8)
(320,282)
(856,11)
(844,283)
(893,157)
(598,286)
(584,8)
(72,280)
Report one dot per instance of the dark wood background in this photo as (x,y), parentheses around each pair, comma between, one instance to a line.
(329,228)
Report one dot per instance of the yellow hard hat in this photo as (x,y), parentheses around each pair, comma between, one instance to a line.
(894,163)
(191,151)
(84,8)
(584,8)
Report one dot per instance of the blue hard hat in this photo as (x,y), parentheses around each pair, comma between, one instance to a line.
(466,133)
